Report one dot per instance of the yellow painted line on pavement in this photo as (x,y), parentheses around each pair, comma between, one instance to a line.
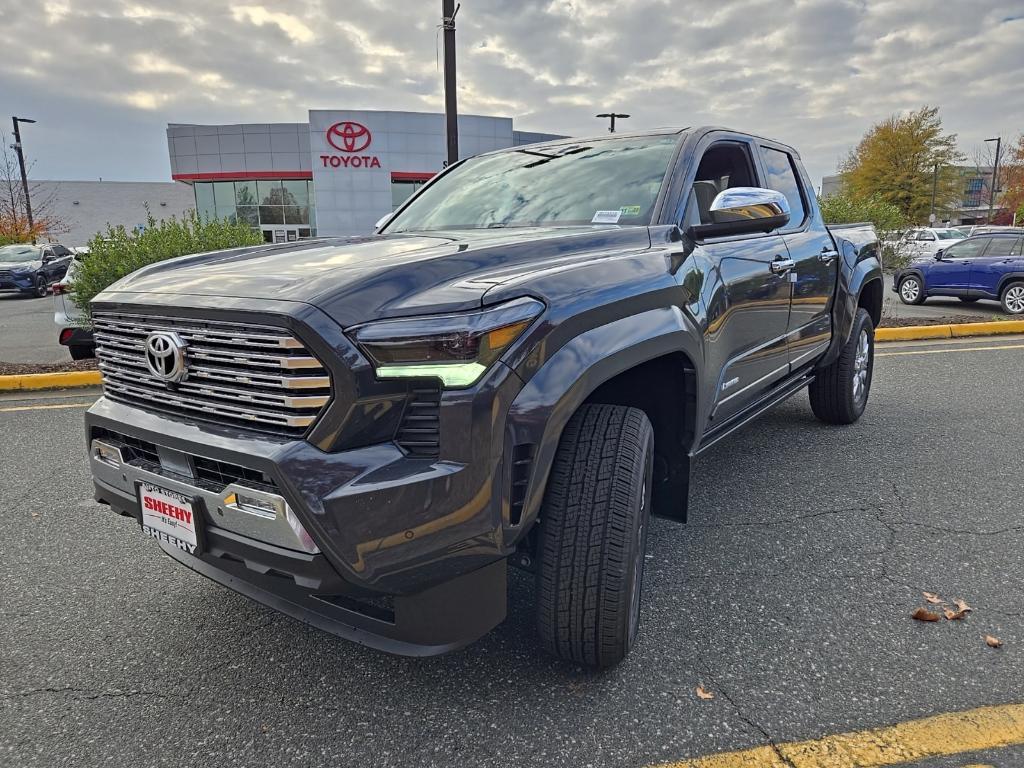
(953,733)
(43,407)
(940,351)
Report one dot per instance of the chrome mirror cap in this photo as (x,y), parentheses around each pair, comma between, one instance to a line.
(382,221)
(744,210)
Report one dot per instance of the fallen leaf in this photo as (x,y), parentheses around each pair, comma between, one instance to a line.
(954,615)
(993,642)
(923,614)
(962,606)
(705,695)
(933,599)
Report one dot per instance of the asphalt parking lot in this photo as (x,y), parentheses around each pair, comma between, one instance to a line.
(27,331)
(788,597)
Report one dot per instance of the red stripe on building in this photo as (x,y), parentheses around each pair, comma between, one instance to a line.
(242,175)
(405,176)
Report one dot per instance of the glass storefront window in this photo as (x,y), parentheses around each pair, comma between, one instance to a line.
(271,214)
(294,214)
(296,193)
(249,214)
(402,191)
(204,201)
(270,192)
(245,193)
(224,197)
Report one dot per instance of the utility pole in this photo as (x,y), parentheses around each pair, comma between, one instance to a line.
(612,116)
(451,107)
(935,183)
(21,162)
(995,177)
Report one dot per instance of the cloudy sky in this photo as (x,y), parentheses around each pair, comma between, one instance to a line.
(104,77)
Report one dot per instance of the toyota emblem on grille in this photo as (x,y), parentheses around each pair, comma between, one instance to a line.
(165,356)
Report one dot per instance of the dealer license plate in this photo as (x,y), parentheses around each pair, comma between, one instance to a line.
(169,517)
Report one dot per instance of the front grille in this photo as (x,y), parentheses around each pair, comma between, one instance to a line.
(256,376)
(225,474)
(139,449)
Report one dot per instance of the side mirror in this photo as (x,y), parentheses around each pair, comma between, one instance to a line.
(48,257)
(938,254)
(743,210)
(382,221)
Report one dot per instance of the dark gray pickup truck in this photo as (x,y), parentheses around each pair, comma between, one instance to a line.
(516,369)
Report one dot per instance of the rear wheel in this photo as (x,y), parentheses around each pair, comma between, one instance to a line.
(839,394)
(1013,299)
(911,290)
(593,535)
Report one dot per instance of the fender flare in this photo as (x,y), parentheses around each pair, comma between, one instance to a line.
(1008,278)
(544,406)
(857,268)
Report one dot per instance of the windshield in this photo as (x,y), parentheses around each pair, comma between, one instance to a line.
(949,234)
(603,181)
(13,254)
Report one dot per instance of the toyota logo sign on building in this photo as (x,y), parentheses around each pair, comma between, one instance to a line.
(347,136)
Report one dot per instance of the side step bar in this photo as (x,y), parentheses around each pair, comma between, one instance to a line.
(783,391)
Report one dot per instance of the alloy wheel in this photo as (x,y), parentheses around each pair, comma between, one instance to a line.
(910,290)
(1014,299)
(861,367)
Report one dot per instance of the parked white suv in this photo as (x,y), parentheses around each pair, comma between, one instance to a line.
(925,242)
(69,318)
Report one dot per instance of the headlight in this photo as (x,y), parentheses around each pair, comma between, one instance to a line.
(457,349)
(20,269)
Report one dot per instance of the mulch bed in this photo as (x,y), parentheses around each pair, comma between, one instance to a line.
(19,369)
(903,322)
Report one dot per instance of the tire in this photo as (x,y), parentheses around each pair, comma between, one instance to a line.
(840,392)
(82,352)
(967,301)
(908,294)
(1013,298)
(593,536)
(41,288)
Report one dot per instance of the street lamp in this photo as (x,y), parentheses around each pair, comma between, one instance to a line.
(995,177)
(612,116)
(21,162)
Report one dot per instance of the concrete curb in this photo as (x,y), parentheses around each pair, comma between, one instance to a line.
(50,380)
(956,330)
(909,333)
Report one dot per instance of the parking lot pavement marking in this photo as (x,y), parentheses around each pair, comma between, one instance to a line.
(940,351)
(12,409)
(953,733)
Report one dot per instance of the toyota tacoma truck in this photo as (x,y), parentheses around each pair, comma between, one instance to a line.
(516,369)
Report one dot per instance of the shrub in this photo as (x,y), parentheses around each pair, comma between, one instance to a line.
(116,253)
(889,221)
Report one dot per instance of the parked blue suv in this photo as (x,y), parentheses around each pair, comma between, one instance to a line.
(989,266)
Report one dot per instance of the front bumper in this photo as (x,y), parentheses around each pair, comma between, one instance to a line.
(22,283)
(409,555)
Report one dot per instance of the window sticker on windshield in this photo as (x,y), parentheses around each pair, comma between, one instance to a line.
(630,210)
(606,217)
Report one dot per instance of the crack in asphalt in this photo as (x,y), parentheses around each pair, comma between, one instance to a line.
(742,715)
(91,694)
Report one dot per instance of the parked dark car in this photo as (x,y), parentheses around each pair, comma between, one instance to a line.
(989,266)
(30,269)
(517,369)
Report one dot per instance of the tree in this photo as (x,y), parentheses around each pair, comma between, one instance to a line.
(1011,181)
(13,221)
(896,162)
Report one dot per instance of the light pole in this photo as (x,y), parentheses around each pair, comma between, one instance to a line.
(935,183)
(451,109)
(612,116)
(995,177)
(21,162)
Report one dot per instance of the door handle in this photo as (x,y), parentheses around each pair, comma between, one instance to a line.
(826,256)
(780,265)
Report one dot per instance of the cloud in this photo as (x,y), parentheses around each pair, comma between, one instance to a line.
(813,73)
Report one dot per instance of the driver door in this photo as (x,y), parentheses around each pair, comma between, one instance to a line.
(953,271)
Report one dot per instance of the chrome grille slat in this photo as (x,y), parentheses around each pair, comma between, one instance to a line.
(257,376)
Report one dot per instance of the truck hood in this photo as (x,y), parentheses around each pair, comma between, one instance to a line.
(363,278)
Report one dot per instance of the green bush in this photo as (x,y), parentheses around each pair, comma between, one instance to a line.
(889,221)
(116,253)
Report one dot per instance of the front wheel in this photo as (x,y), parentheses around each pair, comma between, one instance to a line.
(911,290)
(839,394)
(1013,299)
(593,535)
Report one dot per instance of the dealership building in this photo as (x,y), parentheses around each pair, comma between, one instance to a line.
(335,175)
